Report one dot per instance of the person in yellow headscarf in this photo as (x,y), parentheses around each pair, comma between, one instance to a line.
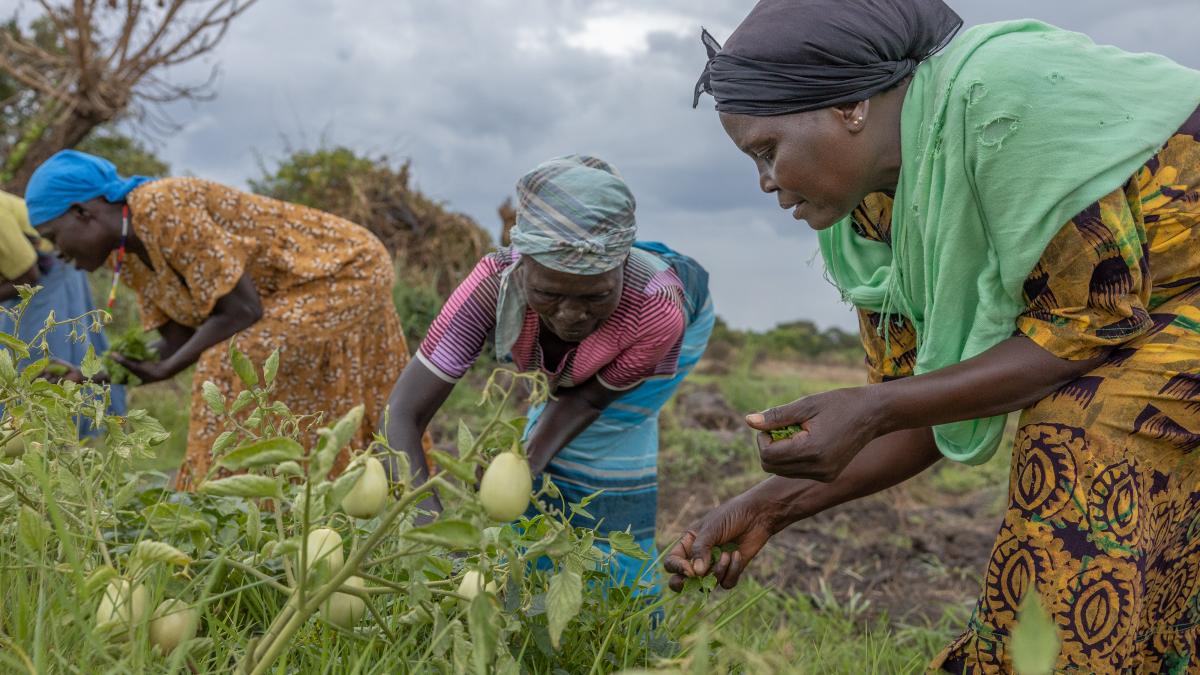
(27,259)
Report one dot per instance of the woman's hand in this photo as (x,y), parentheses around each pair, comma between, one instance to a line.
(147,371)
(61,371)
(743,521)
(836,425)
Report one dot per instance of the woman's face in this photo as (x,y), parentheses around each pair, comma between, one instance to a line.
(572,306)
(819,165)
(82,236)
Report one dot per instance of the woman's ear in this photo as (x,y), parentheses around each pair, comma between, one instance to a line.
(854,116)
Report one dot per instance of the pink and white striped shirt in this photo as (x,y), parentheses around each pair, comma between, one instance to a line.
(641,340)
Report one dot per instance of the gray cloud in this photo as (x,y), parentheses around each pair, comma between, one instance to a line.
(476,93)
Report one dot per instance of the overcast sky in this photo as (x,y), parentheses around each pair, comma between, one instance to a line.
(476,93)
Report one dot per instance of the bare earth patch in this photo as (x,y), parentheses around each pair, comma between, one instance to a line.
(914,552)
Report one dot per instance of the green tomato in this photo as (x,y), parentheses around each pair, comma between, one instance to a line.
(506,487)
(325,550)
(122,604)
(174,622)
(370,492)
(472,584)
(345,609)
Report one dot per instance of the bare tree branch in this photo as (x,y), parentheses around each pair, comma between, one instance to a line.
(109,59)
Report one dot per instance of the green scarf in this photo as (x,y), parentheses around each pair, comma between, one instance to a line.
(1006,136)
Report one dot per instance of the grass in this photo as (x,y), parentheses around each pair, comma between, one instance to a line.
(751,629)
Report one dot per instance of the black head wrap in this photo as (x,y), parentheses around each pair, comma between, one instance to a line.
(789,56)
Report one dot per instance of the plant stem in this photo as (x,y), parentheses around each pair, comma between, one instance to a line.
(276,639)
(287,564)
(266,578)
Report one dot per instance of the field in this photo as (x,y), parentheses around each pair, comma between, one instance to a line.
(875,586)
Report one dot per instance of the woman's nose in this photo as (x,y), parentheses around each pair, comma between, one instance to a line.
(766,182)
(570,313)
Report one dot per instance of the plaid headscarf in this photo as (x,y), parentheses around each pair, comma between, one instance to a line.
(575,215)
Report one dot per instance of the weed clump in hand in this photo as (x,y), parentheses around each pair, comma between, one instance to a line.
(786,432)
(133,346)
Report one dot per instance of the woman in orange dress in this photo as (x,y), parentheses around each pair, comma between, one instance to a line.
(210,263)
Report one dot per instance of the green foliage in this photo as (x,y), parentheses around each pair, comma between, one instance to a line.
(418,305)
(308,177)
(1034,644)
(133,345)
(131,157)
(793,341)
(786,432)
(433,246)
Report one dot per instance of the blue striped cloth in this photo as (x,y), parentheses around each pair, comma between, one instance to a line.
(66,292)
(618,453)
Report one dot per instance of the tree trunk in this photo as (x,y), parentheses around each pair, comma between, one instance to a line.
(57,136)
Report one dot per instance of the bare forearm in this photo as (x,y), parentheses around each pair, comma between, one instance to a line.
(564,419)
(8,291)
(416,398)
(404,432)
(215,330)
(174,337)
(885,462)
(8,287)
(1010,376)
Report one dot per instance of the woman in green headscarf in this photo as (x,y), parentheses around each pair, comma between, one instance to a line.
(1016,215)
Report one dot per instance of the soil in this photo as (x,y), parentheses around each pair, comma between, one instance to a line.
(911,551)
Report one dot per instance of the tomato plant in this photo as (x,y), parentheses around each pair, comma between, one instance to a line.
(273,549)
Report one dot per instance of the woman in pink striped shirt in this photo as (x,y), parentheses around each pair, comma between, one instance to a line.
(614,325)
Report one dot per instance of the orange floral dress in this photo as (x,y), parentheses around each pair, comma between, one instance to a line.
(1103,513)
(326,291)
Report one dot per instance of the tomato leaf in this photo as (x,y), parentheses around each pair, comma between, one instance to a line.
(563,602)
(333,440)
(168,519)
(1034,644)
(151,552)
(91,363)
(226,439)
(466,439)
(247,485)
(623,542)
(451,534)
(14,344)
(244,398)
(98,579)
(485,631)
(464,471)
(271,367)
(212,396)
(32,530)
(242,366)
(263,452)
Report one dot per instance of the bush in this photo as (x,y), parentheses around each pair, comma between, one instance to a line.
(432,245)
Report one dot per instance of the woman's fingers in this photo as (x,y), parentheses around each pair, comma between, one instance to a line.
(678,561)
(748,547)
(796,412)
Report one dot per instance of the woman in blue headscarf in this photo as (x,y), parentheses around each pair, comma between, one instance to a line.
(614,325)
(27,259)
(209,263)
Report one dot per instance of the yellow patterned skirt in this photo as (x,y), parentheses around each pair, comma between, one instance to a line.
(340,344)
(1103,518)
